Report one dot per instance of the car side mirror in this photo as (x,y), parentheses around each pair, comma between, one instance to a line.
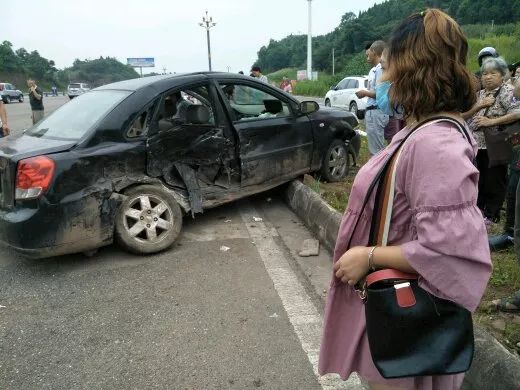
(308,107)
(333,87)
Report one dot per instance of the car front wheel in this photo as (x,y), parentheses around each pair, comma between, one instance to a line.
(336,162)
(353,108)
(148,221)
(7,99)
(20,98)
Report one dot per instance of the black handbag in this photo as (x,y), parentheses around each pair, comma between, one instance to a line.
(410,332)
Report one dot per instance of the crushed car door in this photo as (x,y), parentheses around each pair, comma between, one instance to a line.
(192,146)
(274,143)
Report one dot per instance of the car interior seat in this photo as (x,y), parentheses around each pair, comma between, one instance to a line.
(197,114)
(273,106)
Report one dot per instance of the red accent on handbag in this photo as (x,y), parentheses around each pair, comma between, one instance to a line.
(405,295)
(389,273)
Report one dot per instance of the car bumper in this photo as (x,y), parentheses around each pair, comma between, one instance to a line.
(50,230)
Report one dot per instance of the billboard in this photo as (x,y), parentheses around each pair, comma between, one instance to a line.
(141,62)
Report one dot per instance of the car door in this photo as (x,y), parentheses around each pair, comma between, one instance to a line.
(350,90)
(275,142)
(12,92)
(339,97)
(190,140)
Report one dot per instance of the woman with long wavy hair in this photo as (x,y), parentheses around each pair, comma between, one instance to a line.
(436,228)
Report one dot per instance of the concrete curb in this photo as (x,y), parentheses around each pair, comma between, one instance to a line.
(494,367)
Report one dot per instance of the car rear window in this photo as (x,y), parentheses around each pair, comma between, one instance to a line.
(74,119)
(74,85)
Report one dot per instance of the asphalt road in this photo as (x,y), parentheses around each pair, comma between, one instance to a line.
(228,307)
(19,114)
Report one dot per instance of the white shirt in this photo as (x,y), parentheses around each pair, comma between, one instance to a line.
(264,79)
(373,76)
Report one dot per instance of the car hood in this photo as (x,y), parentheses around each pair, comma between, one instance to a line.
(331,114)
(17,147)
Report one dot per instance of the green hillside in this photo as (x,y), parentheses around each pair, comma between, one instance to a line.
(16,66)
(486,23)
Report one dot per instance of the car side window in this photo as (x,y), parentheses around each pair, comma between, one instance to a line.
(251,103)
(342,84)
(355,84)
(351,84)
(141,124)
(189,106)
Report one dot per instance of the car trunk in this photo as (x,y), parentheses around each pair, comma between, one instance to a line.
(15,148)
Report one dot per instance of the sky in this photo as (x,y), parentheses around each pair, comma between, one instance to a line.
(168,30)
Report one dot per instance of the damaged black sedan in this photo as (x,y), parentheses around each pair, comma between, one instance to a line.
(128,160)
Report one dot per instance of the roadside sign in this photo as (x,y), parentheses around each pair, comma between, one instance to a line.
(148,62)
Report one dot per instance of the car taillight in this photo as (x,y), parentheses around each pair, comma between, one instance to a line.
(33,177)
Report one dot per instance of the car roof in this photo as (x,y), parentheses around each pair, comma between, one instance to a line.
(143,82)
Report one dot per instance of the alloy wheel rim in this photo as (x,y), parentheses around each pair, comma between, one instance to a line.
(337,162)
(148,219)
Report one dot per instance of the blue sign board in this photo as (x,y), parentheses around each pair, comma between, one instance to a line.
(141,62)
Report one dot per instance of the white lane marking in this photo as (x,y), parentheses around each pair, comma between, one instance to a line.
(302,314)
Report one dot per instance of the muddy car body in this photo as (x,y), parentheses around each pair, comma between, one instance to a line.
(127,160)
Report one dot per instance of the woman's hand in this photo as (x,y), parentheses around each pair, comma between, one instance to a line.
(353,265)
(482,121)
(488,101)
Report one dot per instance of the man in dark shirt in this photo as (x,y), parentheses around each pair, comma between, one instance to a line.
(36,100)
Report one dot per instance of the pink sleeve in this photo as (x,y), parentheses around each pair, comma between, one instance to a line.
(451,251)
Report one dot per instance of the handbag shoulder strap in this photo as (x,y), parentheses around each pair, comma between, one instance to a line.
(385,197)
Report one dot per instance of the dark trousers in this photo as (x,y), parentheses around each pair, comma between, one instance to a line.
(512,184)
(491,186)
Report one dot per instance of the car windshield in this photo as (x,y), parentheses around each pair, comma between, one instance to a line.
(74,86)
(74,119)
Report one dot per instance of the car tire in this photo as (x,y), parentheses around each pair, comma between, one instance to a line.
(336,162)
(20,98)
(327,103)
(148,221)
(71,97)
(353,109)
(7,99)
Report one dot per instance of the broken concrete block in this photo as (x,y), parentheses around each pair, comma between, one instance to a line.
(310,247)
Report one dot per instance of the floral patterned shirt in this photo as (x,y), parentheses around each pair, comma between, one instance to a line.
(505,103)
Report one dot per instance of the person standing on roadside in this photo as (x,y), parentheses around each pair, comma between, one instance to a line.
(375,118)
(4,126)
(257,72)
(36,101)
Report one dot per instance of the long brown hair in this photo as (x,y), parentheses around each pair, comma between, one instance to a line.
(427,65)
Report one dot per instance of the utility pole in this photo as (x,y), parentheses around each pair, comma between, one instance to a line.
(207,23)
(164,70)
(309,43)
(333,61)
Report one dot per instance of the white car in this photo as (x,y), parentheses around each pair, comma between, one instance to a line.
(343,95)
(76,89)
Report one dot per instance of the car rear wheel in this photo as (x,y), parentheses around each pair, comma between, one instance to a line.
(8,99)
(353,108)
(336,162)
(20,98)
(327,102)
(148,221)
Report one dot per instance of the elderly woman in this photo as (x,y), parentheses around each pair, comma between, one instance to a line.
(496,106)
(436,228)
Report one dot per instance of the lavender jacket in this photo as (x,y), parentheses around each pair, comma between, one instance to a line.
(442,235)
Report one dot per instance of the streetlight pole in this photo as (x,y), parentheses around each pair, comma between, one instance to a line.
(207,23)
(309,43)
(333,62)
